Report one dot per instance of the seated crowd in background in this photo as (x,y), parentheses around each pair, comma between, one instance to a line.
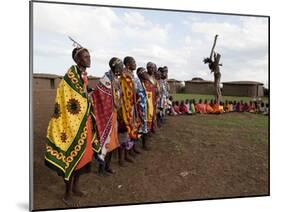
(190,106)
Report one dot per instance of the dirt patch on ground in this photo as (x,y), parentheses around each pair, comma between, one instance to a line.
(192,157)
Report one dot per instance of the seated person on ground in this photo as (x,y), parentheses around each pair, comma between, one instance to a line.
(240,106)
(261,108)
(256,104)
(252,107)
(192,104)
(183,109)
(221,107)
(187,104)
(266,112)
(174,109)
(169,105)
(177,107)
(230,106)
(225,106)
(234,106)
(217,108)
(208,107)
(212,103)
(200,107)
(246,107)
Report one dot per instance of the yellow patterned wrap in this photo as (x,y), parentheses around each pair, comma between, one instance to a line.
(67,130)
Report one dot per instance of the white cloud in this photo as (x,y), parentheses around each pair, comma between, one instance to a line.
(111,32)
(135,19)
(100,29)
(251,33)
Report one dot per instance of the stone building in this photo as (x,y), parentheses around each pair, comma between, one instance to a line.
(45,81)
(243,88)
(175,85)
(199,86)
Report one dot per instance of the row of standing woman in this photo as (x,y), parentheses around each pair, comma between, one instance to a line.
(88,124)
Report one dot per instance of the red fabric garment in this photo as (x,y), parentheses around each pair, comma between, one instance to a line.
(200,108)
(240,107)
(216,108)
(105,113)
(208,108)
(102,100)
(183,109)
(177,109)
(196,108)
(246,108)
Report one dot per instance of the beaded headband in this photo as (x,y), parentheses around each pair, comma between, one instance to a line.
(117,61)
(141,71)
(77,45)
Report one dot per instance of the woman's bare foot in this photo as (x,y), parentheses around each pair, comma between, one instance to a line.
(70,202)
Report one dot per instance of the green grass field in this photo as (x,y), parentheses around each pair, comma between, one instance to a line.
(182,96)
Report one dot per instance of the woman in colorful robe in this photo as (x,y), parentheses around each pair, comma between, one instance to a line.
(166,89)
(170,104)
(163,93)
(261,108)
(252,107)
(150,87)
(229,106)
(208,107)
(192,104)
(150,94)
(176,107)
(157,95)
(183,108)
(107,101)
(200,107)
(71,136)
(217,108)
(240,106)
(246,107)
(141,100)
(221,107)
(234,106)
(129,119)
(173,111)
(187,105)
(142,104)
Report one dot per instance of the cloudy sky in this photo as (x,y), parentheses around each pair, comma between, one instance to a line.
(179,40)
